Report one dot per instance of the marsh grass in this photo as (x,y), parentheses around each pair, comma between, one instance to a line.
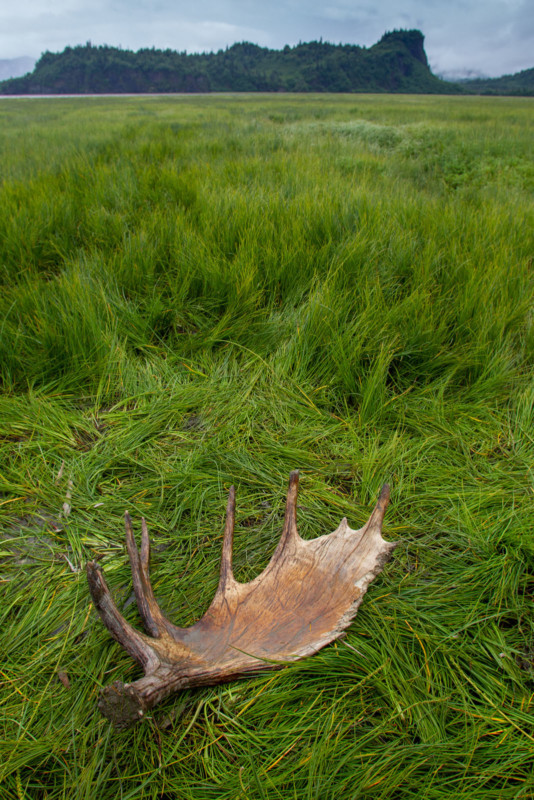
(215,290)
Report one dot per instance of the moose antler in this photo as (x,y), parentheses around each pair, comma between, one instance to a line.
(304,599)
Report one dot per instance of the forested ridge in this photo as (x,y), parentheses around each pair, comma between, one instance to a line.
(397,63)
(518,84)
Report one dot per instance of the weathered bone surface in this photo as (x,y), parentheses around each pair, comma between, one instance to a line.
(304,599)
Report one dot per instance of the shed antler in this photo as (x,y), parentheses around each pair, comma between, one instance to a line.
(304,599)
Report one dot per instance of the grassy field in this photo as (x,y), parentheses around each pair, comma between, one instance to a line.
(208,290)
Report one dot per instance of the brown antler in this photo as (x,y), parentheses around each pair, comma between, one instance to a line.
(304,599)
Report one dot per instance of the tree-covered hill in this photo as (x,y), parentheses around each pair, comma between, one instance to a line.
(521,83)
(397,63)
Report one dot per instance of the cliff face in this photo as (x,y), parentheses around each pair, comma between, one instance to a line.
(412,41)
(397,63)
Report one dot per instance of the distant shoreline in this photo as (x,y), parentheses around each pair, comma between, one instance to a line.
(122,94)
(278,95)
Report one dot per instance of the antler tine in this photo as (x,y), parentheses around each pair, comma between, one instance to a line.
(226,574)
(290,519)
(289,532)
(151,614)
(145,548)
(121,630)
(377,516)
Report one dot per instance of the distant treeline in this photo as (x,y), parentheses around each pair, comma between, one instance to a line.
(397,63)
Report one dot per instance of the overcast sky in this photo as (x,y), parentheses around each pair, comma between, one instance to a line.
(492,37)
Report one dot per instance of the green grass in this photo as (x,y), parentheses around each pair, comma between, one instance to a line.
(212,290)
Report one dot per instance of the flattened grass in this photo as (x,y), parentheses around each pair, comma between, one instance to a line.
(206,291)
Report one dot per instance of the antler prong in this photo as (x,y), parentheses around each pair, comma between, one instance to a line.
(154,621)
(377,517)
(121,630)
(145,547)
(226,574)
(289,531)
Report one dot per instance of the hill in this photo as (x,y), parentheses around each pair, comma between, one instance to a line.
(519,84)
(397,63)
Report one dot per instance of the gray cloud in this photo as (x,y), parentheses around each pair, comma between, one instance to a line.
(487,36)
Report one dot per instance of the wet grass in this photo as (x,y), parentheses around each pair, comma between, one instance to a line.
(205,291)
